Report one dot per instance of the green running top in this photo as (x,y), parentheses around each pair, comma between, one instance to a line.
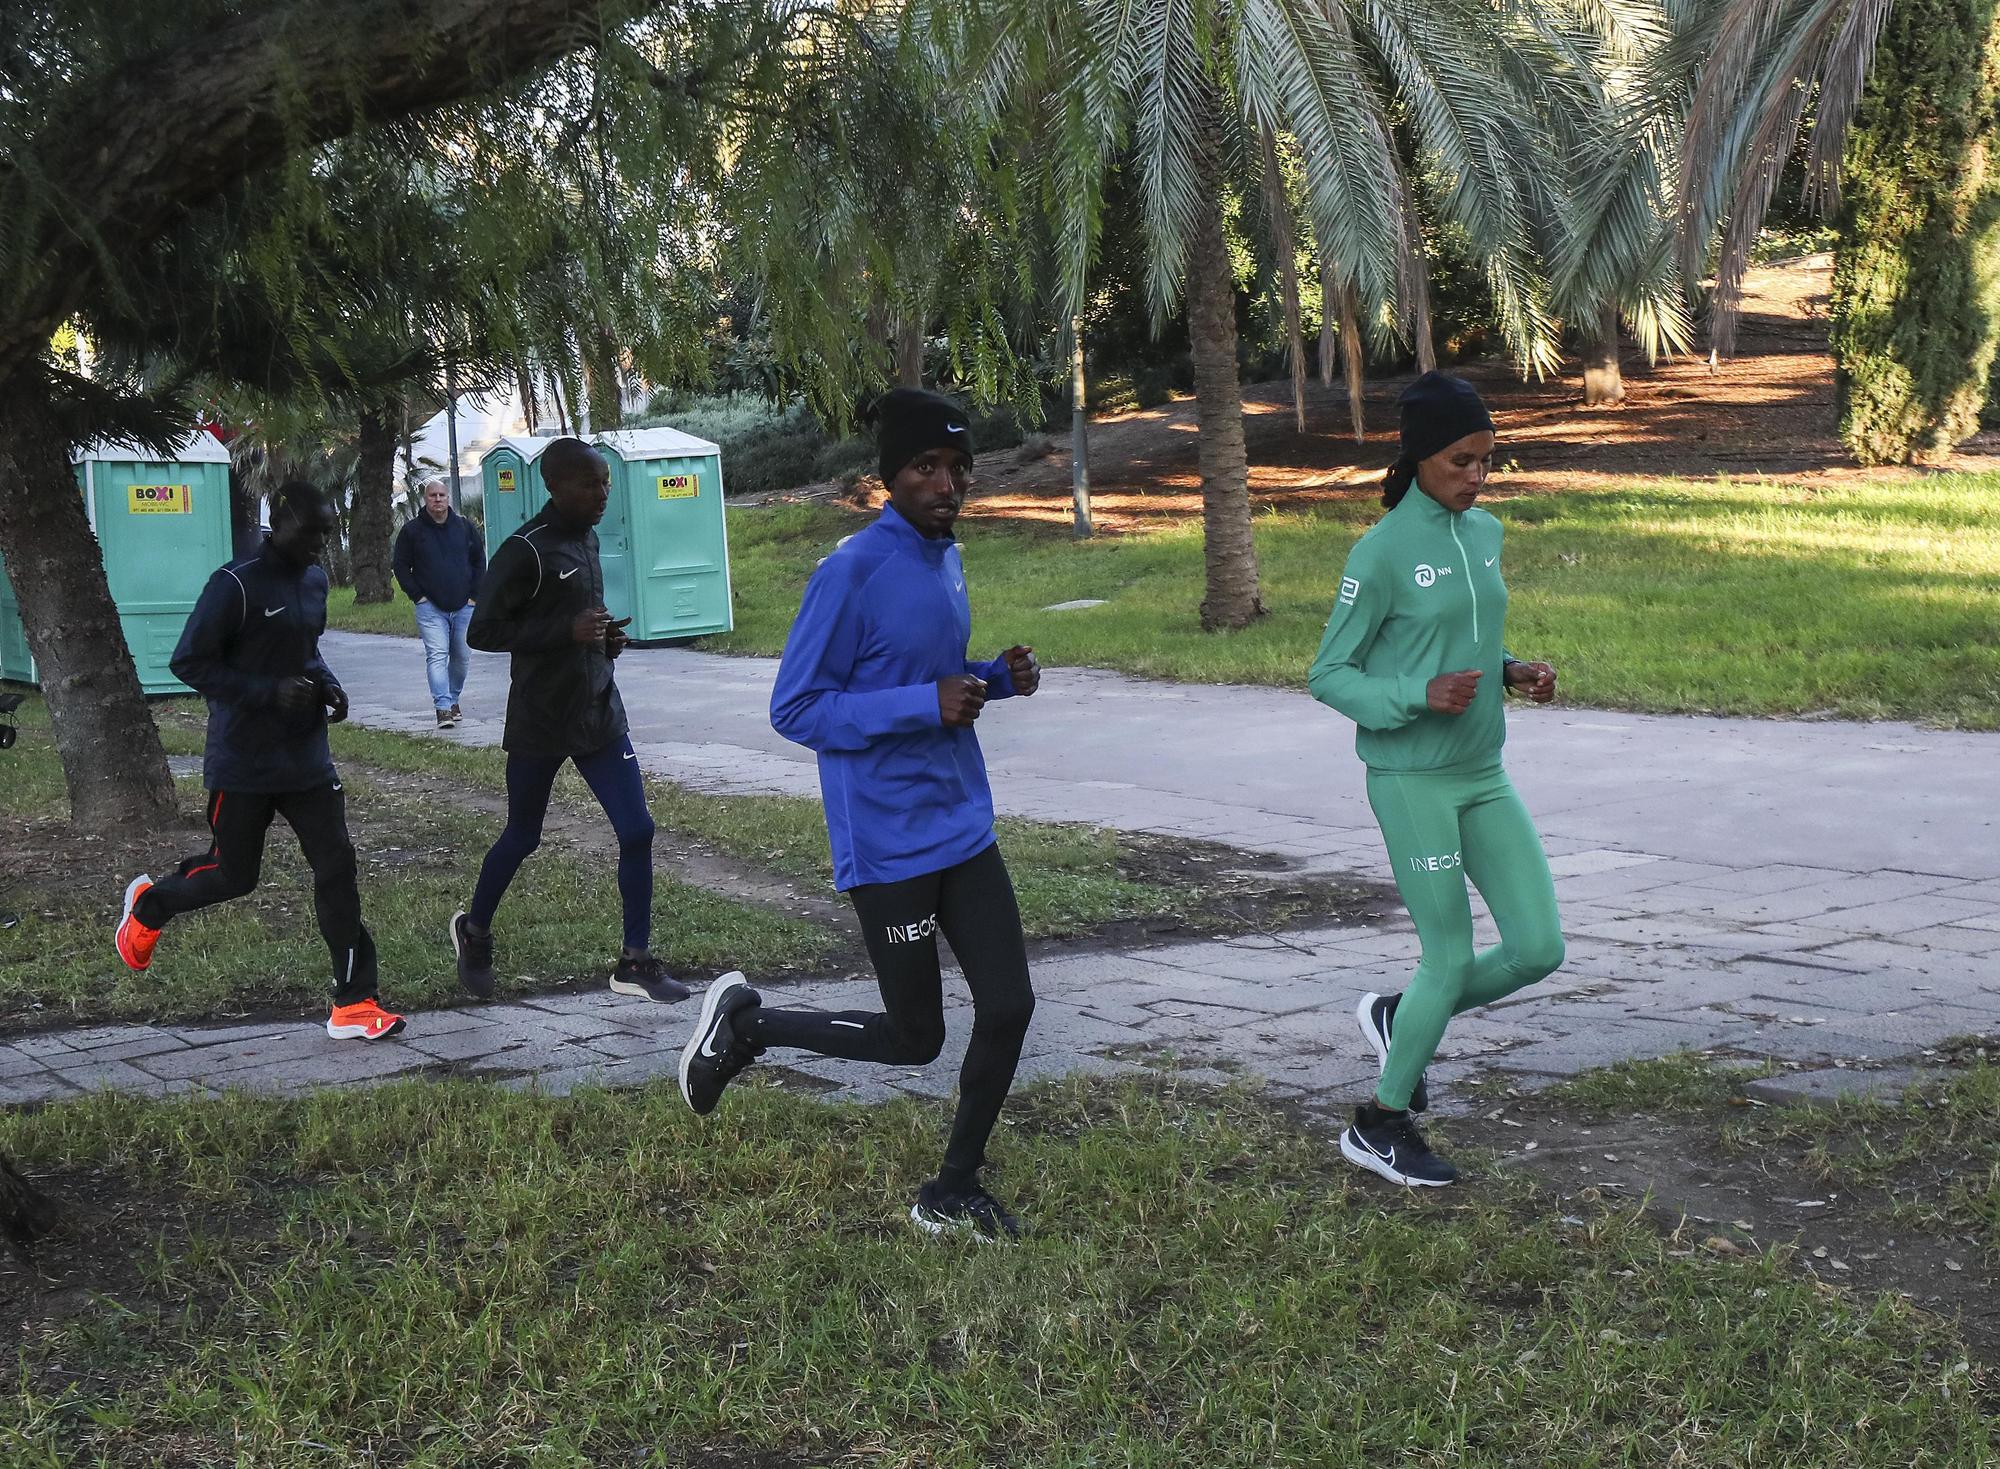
(1421,595)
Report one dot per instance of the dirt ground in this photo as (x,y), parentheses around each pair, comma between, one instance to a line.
(1741,1200)
(1767,411)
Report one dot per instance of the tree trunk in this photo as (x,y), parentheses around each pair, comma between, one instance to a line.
(1229,550)
(1079,432)
(369,523)
(1285,241)
(1355,365)
(113,764)
(1602,381)
(910,352)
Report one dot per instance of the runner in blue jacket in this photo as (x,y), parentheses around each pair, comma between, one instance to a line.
(875,680)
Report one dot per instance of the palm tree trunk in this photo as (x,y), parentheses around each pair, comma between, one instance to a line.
(368,526)
(1229,550)
(1285,241)
(113,764)
(1603,382)
(1354,367)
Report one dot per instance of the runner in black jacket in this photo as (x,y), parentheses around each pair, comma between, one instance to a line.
(251,648)
(542,600)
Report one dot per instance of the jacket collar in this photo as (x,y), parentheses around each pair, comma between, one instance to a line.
(1422,508)
(909,535)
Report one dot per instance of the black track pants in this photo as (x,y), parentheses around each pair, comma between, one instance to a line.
(973,905)
(231,865)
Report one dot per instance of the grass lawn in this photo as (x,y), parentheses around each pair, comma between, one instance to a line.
(397,615)
(449,1274)
(1868,600)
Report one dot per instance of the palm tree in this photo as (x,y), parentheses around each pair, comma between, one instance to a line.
(1183,90)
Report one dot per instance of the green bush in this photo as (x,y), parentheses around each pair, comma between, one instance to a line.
(1916,282)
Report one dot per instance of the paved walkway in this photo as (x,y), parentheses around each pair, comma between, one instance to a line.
(1805,891)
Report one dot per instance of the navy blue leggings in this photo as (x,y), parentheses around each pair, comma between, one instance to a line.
(612,774)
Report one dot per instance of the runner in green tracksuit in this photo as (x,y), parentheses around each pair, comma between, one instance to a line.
(1413,655)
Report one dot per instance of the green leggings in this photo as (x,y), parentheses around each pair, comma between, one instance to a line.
(1441,829)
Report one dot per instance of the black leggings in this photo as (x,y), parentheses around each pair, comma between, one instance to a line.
(235,859)
(973,903)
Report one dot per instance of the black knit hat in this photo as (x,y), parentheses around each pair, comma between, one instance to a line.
(910,420)
(1437,412)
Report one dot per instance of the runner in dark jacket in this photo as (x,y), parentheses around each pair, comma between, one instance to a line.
(251,648)
(542,600)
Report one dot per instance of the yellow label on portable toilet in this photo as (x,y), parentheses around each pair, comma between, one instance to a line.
(161,500)
(678,486)
(506,485)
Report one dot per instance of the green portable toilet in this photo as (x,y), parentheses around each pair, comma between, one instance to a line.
(163,527)
(514,493)
(668,569)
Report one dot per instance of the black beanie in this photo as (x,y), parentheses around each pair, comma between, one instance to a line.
(910,420)
(1438,411)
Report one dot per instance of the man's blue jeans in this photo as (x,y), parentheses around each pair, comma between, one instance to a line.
(446,653)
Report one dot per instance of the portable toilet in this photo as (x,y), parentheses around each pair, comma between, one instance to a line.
(163,527)
(666,558)
(514,493)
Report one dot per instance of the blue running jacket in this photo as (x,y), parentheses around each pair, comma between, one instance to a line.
(883,619)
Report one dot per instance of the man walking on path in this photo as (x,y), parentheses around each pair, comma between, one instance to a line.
(251,648)
(875,680)
(542,600)
(439,559)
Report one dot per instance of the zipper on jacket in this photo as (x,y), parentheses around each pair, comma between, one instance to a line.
(1466,562)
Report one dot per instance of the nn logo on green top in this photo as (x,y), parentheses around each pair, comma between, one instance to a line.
(1427,574)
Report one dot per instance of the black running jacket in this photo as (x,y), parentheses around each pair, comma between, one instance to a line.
(562,700)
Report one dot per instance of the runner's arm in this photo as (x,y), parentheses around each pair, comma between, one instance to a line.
(1336,678)
(811,704)
(201,658)
(505,620)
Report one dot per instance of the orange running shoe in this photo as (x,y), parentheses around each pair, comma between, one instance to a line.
(364,1020)
(135,941)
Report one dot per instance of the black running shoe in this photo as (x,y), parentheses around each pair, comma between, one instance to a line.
(646,978)
(717,1052)
(972,1212)
(1375,1015)
(475,958)
(1388,1143)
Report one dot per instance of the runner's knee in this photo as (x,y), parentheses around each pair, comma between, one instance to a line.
(1537,956)
(635,832)
(918,1042)
(1006,1014)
